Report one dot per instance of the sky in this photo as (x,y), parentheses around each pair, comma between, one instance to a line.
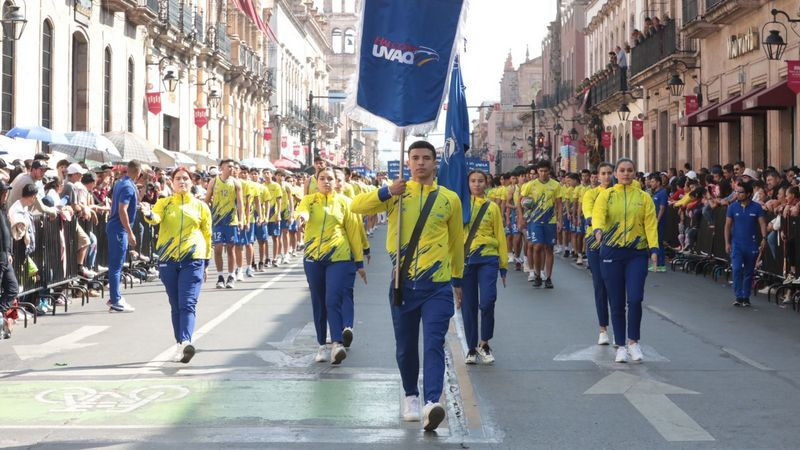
(493,28)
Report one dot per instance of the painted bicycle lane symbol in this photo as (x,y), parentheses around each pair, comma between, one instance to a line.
(83,399)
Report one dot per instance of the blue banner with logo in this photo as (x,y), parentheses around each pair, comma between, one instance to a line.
(477,164)
(394,170)
(406,49)
(452,172)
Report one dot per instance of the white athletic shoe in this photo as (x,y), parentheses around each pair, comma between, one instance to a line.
(322,354)
(338,354)
(240,275)
(635,351)
(510,257)
(471,358)
(580,260)
(178,356)
(622,355)
(411,409)
(603,339)
(486,355)
(249,272)
(531,276)
(432,415)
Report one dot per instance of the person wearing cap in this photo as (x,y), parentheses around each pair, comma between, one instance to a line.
(124,202)
(77,198)
(749,175)
(9,288)
(34,176)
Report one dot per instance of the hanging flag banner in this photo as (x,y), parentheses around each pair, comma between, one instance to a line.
(405,56)
(452,172)
(153,102)
(691,104)
(606,139)
(793,76)
(567,139)
(200,117)
(478,164)
(267,133)
(284,142)
(638,128)
(582,148)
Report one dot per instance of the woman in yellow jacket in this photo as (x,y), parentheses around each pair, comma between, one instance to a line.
(604,172)
(624,222)
(333,251)
(184,249)
(486,256)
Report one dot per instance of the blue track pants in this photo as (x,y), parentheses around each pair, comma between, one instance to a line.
(183,281)
(600,292)
(117,249)
(479,288)
(624,272)
(328,282)
(743,263)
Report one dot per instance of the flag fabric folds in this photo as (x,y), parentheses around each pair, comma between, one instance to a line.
(452,172)
(405,52)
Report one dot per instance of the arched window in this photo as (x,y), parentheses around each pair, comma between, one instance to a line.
(350,41)
(47,74)
(107,90)
(131,77)
(7,89)
(350,6)
(336,41)
(336,6)
(80,82)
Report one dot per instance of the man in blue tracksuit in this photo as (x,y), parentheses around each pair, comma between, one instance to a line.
(745,218)
(661,201)
(124,201)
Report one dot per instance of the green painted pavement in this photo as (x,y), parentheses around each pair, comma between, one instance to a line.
(200,402)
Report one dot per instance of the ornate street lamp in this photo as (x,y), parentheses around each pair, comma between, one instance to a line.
(573,134)
(675,85)
(623,112)
(558,129)
(773,43)
(171,80)
(14,21)
(213,98)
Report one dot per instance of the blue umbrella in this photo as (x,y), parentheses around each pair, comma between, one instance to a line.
(38,134)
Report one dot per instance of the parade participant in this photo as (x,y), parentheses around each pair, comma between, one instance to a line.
(296,192)
(262,228)
(332,252)
(274,221)
(579,228)
(253,201)
(624,221)
(542,198)
(660,200)
(523,215)
(435,264)
(745,218)
(568,184)
(310,185)
(604,174)
(225,199)
(486,254)
(124,203)
(510,218)
(244,243)
(286,211)
(184,249)
(348,306)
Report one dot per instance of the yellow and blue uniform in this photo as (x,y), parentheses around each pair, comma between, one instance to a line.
(348,191)
(265,198)
(541,217)
(249,196)
(512,191)
(184,249)
(579,225)
(593,256)
(567,196)
(439,261)
(348,307)
(312,184)
(224,211)
(296,193)
(286,194)
(273,222)
(333,252)
(487,255)
(627,218)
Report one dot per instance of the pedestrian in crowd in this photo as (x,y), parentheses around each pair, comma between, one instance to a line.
(286,211)
(124,203)
(35,177)
(744,220)
(8,279)
(226,202)
(486,256)
(274,219)
(425,288)
(624,221)
(76,197)
(184,249)
(660,202)
(541,214)
(604,173)
(311,184)
(331,256)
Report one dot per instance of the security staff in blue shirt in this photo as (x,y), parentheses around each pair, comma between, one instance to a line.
(744,218)
(124,202)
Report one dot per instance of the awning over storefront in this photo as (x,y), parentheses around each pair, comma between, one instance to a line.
(712,115)
(775,97)
(735,107)
(692,120)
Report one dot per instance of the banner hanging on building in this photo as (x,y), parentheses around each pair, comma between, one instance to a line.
(793,76)
(567,139)
(267,133)
(637,126)
(200,117)
(606,141)
(582,148)
(153,102)
(691,104)
(405,56)
(284,142)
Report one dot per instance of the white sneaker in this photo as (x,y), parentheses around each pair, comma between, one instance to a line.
(485,352)
(531,276)
(240,275)
(411,409)
(178,355)
(622,355)
(580,260)
(510,257)
(544,274)
(432,415)
(338,354)
(471,358)
(249,272)
(322,354)
(603,339)
(635,351)
(122,306)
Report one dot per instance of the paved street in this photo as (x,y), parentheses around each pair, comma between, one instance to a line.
(714,376)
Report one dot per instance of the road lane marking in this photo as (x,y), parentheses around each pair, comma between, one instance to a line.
(164,356)
(747,360)
(649,397)
(59,345)
(603,354)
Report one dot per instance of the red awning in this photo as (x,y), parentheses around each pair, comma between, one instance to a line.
(712,115)
(249,9)
(692,119)
(776,97)
(734,108)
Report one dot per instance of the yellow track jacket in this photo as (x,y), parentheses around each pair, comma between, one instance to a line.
(332,232)
(627,217)
(184,228)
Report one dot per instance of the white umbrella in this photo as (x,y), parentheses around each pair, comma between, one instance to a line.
(257,163)
(85,145)
(132,146)
(169,158)
(202,158)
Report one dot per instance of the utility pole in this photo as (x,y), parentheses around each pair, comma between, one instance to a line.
(532,106)
(349,145)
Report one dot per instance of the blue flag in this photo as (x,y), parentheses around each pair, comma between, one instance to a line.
(405,52)
(452,172)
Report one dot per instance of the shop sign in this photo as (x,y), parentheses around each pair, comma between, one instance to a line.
(793,76)
(200,117)
(740,44)
(691,104)
(637,127)
(83,11)
(153,102)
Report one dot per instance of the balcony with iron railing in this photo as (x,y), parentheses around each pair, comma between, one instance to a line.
(608,83)
(659,50)
(724,12)
(145,12)
(691,10)
(222,42)
(564,91)
(199,27)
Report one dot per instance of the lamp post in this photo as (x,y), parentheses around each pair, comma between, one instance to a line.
(675,83)
(623,112)
(773,44)
(170,79)
(14,21)
(310,125)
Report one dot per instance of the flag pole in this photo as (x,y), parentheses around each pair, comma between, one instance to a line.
(400,214)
